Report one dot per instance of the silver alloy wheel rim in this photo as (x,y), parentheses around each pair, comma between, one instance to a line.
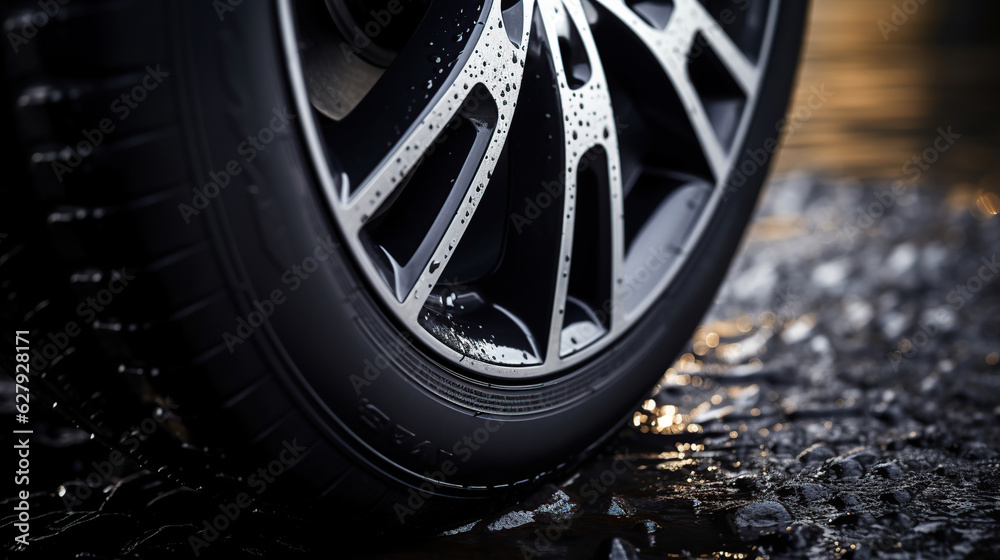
(500,44)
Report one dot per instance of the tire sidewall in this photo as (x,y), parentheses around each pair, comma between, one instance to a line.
(372,391)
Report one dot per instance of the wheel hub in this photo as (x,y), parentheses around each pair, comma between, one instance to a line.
(520,182)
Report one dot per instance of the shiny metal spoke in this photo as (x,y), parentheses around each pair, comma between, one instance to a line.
(491,62)
(745,73)
(489,46)
(589,122)
(495,50)
(671,47)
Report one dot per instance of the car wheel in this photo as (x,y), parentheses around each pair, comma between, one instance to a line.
(422,255)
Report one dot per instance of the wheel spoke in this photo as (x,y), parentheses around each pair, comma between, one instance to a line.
(437,98)
(588,123)
(492,49)
(672,47)
(744,72)
(368,111)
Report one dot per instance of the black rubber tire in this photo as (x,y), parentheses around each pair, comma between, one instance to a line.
(328,369)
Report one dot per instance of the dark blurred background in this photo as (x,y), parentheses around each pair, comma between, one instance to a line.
(940,68)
